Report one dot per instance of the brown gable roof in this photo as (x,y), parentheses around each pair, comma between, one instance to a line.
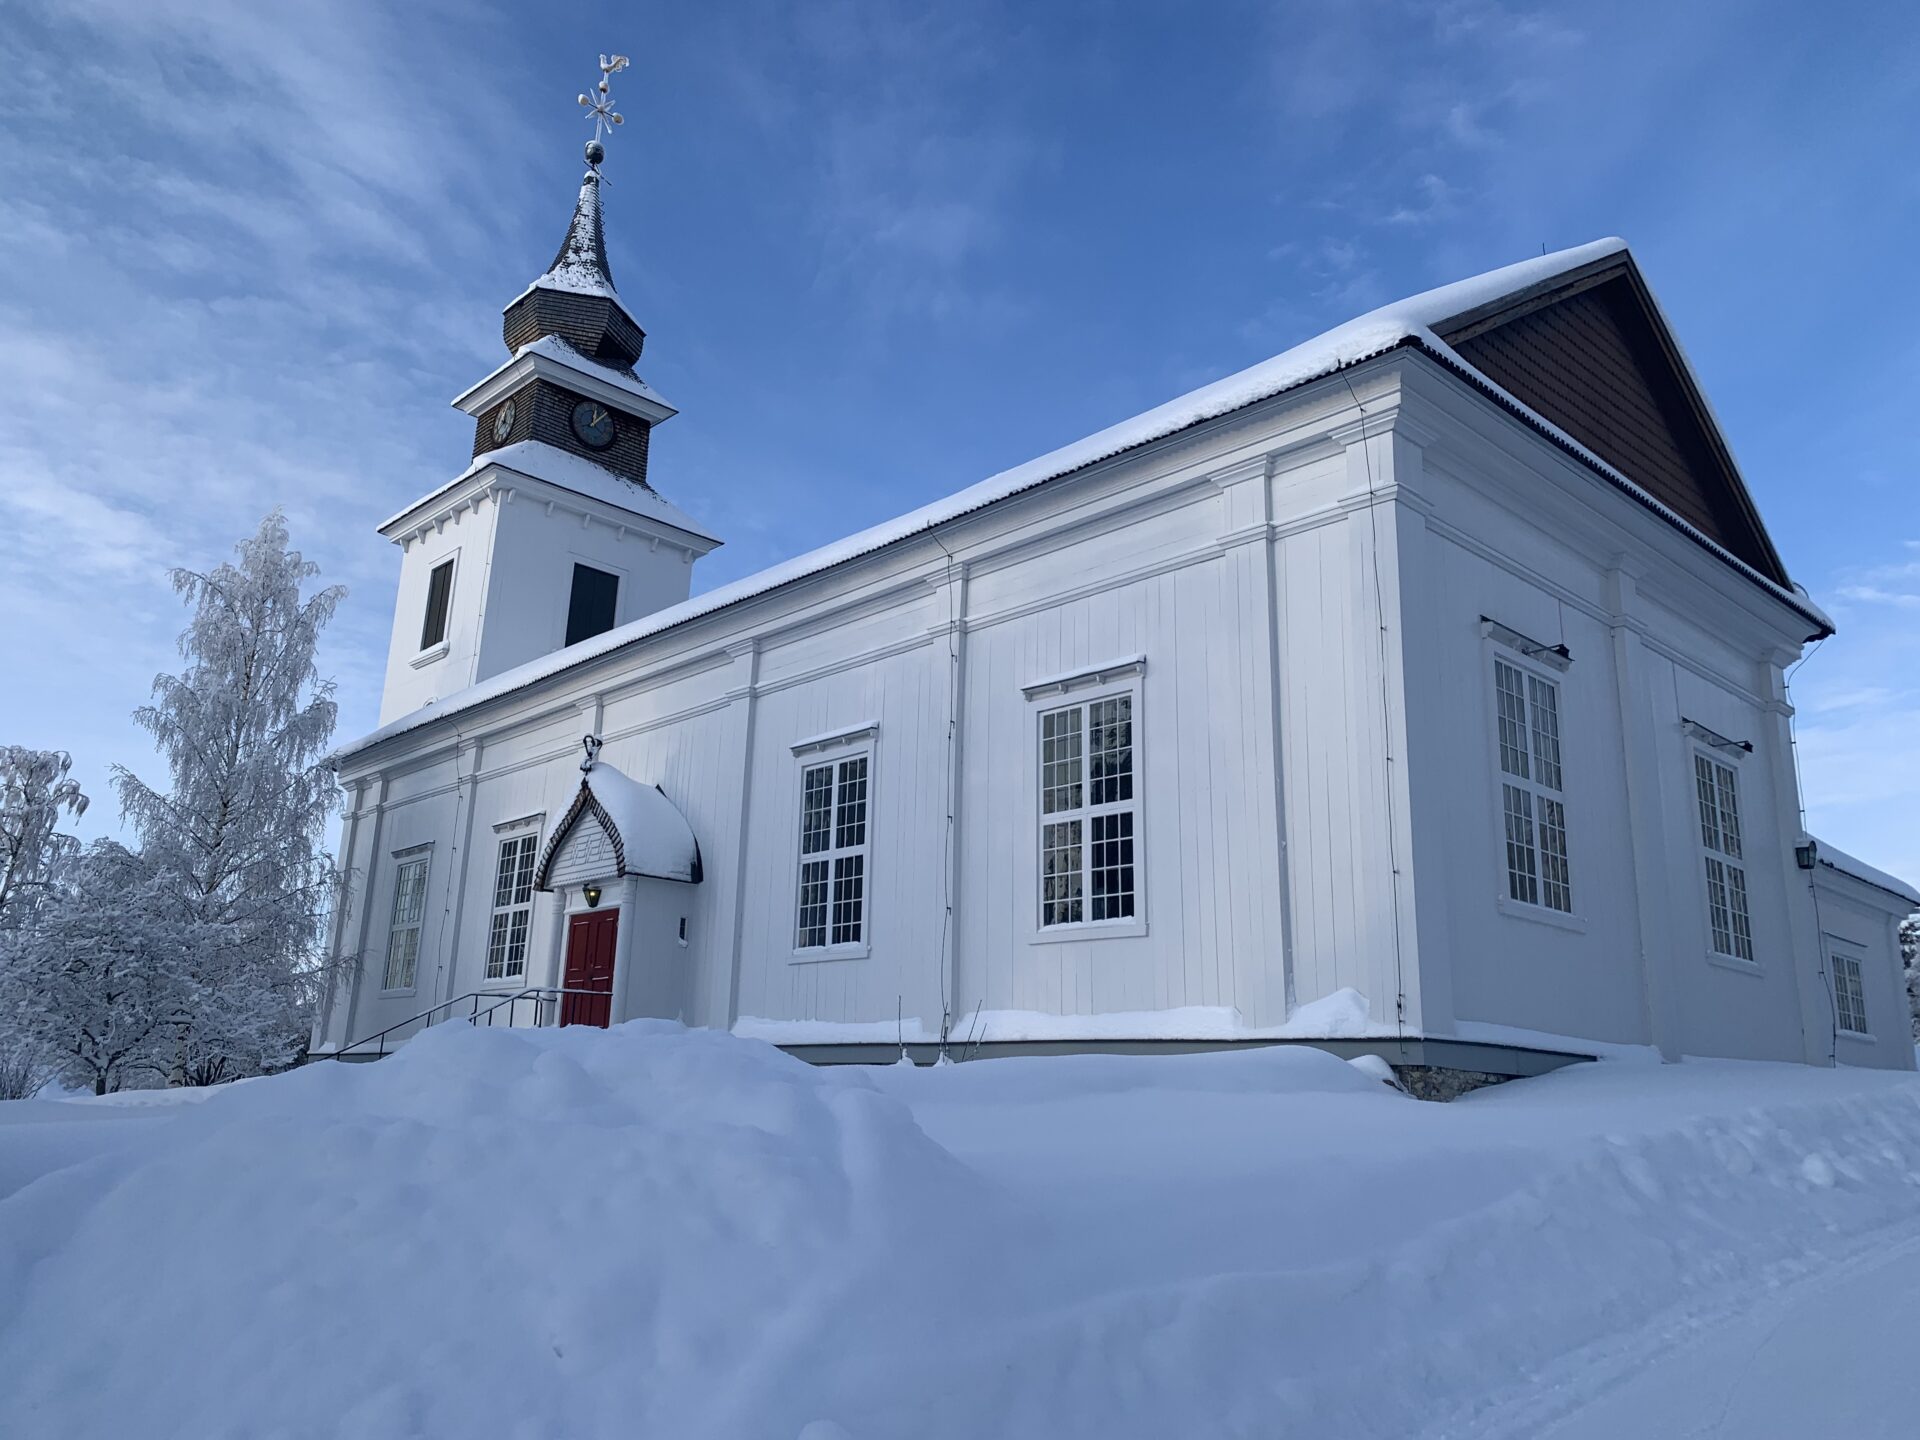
(1590,353)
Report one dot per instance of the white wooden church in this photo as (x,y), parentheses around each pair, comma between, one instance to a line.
(1417,691)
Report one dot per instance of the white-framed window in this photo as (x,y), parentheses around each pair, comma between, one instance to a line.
(1849,991)
(433,623)
(1717,789)
(512,907)
(1533,810)
(403,930)
(1089,812)
(835,839)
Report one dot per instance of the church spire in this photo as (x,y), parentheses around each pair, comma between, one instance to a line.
(581,265)
(574,299)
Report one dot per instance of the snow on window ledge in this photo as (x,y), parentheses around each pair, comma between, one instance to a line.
(814,954)
(431,654)
(1126,929)
(1539,914)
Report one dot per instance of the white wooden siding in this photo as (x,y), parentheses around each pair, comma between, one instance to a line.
(1312,756)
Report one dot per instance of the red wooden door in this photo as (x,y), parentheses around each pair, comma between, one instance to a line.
(590,967)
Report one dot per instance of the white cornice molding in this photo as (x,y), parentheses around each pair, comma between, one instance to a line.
(528,366)
(491,483)
(1257,467)
(1369,425)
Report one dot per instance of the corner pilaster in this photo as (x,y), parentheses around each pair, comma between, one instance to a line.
(720,1005)
(1652,866)
(1811,982)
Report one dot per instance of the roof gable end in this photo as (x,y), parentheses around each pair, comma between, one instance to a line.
(1590,352)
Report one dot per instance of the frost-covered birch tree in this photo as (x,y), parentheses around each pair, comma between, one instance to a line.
(93,987)
(35,787)
(238,835)
(1910,961)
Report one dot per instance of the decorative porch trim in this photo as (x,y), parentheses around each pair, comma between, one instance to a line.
(863,731)
(1713,737)
(1089,675)
(1557,656)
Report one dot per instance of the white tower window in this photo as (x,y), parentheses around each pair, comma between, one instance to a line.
(433,627)
(592,606)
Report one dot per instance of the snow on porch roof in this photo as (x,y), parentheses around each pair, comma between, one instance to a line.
(649,834)
(1834,858)
(1413,320)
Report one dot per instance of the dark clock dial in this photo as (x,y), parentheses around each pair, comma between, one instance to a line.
(593,423)
(503,423)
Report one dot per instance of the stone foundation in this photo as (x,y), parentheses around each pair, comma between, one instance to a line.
(1438,1082)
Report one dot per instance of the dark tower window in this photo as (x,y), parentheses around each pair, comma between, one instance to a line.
(439,592)
(590,611)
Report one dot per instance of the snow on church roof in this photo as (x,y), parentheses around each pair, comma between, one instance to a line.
(1414,319)
(1834,858)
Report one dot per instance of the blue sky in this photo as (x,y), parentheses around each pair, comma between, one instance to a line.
(249,252)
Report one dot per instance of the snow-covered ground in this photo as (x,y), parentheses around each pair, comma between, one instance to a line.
(652,1231)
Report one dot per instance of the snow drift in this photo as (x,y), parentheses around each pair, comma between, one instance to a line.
(561,1233)
(652,1231)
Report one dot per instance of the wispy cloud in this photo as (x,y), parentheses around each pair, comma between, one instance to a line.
(912,176)
(1859,701)
(231,224)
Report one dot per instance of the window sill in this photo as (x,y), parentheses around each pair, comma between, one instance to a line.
(1088,930)
(1857,1037)
(398,994)
(815,954)
(428,656)
(1539,914)
(1734,963)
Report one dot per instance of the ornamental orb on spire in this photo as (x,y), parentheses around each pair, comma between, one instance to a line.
(599,105)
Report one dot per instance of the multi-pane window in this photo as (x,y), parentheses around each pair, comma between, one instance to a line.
(1717,789)
(403,934)
(1849,992)
(512,908)
(1532,800)
(1088,812)
(433,626)
(833,854)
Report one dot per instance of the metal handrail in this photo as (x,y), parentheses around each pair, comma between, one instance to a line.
(539,994)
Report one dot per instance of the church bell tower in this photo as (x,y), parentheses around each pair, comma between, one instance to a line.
(554,534)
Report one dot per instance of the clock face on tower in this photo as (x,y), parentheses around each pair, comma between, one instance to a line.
(503,423)
(593,423)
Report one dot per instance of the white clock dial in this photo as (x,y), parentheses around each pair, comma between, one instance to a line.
(503,423)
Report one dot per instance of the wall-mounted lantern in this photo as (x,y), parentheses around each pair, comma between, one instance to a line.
(1805,853)
(591,894)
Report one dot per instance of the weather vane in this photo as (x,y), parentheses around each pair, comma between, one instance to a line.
(600,106)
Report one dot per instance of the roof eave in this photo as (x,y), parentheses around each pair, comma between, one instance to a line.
(526,365)
(1433,349)
(484,475)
